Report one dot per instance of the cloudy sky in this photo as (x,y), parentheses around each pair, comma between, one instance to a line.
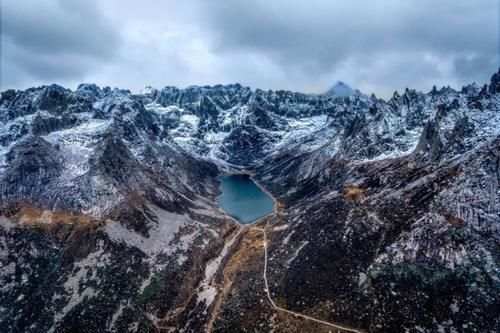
(373,45)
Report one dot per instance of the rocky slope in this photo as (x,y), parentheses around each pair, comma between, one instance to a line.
(388,214)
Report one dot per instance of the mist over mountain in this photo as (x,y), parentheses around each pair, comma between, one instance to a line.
(341,89)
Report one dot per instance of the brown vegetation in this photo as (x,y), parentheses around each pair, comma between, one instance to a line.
(354,193)
(455,221)
(31,216)
(248,248)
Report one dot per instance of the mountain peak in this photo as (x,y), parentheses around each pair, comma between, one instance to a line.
(341,89)
(147,90)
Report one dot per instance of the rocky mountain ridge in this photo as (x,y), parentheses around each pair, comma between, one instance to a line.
(108,209)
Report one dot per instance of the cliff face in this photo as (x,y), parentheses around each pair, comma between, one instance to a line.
(388,211)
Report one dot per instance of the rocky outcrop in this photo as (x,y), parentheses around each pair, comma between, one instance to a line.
(44,125)
(494,87)
(429,147)
(34,164)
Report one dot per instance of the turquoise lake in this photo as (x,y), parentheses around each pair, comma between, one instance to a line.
(243,199)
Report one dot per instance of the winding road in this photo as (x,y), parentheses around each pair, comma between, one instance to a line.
(336,326)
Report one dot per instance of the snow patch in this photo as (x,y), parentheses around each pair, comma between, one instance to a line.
(206,291)
(161,233)
(304,243)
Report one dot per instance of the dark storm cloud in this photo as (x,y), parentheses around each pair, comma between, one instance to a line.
(45,40)
(317,36)
(374,45)
(475,67)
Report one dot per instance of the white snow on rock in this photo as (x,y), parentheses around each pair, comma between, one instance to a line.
(77,145)
(161,232)
(296,253)
(72,285)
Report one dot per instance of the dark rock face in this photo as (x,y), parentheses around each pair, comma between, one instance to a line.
(33,165)
(495,83)
(389,211)
(116,162)
(248,139)
(45,125)
(429,146)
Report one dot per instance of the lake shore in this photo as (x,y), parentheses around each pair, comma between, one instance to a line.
(239,193)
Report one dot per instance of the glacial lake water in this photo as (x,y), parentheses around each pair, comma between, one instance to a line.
(243,199)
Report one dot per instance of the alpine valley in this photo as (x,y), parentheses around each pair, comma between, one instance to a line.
(387,212)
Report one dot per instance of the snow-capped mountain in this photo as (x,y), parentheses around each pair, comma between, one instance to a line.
(108,218)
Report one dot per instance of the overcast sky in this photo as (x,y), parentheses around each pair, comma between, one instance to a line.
(375,46)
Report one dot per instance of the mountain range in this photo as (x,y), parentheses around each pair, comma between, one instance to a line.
(387,212)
